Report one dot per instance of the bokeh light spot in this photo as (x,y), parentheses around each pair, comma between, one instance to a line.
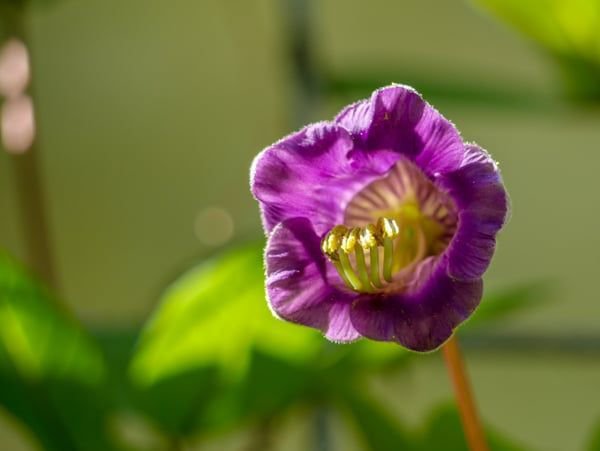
(214,226)
(14,68)
(17,124)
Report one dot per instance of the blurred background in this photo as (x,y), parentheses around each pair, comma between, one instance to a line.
(147,117)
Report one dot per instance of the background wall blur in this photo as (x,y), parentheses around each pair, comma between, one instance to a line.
(150,113)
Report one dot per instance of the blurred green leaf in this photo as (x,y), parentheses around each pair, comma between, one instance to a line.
(478,91)
(565,26)
(499,304)
(176,404)
(51,372)
(213,354)
(172,407)
(272,385)
(41,341)
(214,315)
(29,404)
(568,29)
(594,443)
(444,431)
(379,430)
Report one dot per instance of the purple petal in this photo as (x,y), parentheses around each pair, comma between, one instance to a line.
(423,320)
(482,203)
(397,118)
(313,173)
(298,288)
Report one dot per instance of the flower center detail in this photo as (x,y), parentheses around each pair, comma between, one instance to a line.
(406,215)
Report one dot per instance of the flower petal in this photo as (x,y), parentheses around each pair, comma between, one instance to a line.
(313,173)
(423,320)
(397,118)
(298,288)
(482,202)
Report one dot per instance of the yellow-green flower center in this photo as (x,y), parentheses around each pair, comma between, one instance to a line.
(390,227)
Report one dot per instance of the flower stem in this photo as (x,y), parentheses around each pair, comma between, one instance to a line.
(29,185)
(474,433)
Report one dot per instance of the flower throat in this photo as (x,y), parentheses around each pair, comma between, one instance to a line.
(392,226)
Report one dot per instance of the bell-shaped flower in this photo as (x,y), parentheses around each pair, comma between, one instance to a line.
(380,223)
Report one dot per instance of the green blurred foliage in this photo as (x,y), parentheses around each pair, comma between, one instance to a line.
(215,319)
(594,442)
(379,430)
(508,302)
(443,431)
(38,339)
(214,315)
(51,372)
(568,29)
(25,3)
(211,358)
(357,82)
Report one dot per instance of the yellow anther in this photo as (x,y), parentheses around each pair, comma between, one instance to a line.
(387,228)
(350,240)
(346,250)
(332,242)
(368,237)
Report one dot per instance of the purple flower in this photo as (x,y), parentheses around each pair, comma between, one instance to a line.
(380,223)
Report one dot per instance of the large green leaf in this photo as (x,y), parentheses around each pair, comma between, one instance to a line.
(562,25)
(568,29)
(214,315)
(51,372)
(214,321)
(41,341)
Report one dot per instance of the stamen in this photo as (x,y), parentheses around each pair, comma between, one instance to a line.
(361,267)
(341,272)
(374,265)
(341,243)
(354,281)
(388,229)
(392,225)
(369,240)
(349,245)
(333,241)
(388,258)
(330,246)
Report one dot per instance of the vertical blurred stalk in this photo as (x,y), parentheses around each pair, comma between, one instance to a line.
(473,429)
(306,84)
(306,96)
(322,442)
(29,187)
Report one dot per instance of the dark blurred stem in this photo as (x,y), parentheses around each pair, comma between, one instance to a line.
(29,186)
(471,422)
(175,444)
(321,425)
(262,439)
(306,96)
(305,100)
(306,80)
